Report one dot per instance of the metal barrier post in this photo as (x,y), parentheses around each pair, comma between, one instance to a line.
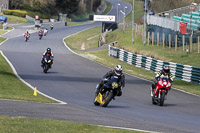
(190,44)
(157,38)
(183,43)
(148,37)
(169,40)
(198,44)
(163,39)
(176,43)
(152,38)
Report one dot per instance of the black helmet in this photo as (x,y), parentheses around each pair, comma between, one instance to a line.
(166,69)
(48,50)
(118,70)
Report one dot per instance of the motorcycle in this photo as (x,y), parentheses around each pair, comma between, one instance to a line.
(160,92)
(40,35)
(104,97)
(26,37)
(45,32)
(51,27)
(47,64)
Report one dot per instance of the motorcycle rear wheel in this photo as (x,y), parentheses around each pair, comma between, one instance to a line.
(108,98)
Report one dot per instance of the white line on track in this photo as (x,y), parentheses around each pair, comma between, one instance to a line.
(111,68)
(29,85)
(132,129)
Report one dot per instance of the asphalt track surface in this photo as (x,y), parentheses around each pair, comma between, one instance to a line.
(73,79)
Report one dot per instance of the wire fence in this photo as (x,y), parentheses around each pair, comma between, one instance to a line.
(179,11)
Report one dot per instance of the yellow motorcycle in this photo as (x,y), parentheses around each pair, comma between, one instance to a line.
(104,96)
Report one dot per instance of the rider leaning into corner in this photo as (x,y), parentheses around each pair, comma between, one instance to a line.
(117,71)
(47,53)
(40,32)
(165,72)
(27,34)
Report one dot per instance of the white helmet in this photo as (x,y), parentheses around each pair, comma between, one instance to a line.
(118,70)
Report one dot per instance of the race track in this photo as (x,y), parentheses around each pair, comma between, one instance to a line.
(73,79)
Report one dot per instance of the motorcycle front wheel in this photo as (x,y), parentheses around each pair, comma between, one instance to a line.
(162,99)
(45,68)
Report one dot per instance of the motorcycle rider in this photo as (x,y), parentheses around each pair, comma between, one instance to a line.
(45,31)
(165,72)
(51,26)
(115,72)
(27,34)
(47,53)
(40,32)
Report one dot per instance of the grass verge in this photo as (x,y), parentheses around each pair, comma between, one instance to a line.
(158,52)
(101,56)
(12,88)
(28,125)
(108,8)
(15,19)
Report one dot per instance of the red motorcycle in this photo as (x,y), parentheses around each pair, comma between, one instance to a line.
(26,37)
(161,91)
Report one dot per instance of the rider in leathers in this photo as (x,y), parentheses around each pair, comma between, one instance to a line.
(116,72)
(47,53)
(165,72)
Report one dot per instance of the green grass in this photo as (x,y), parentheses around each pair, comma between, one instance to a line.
(108,8)
(15,19)
(29,125)
(138,10)
(2,32)
(101,56)
(12,88)
(158,52)
(2,39)
(90,38)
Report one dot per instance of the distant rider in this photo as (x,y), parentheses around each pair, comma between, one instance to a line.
(51,26)
(47,53)
(27,34)
(115,72)
(40,32)
(165,72)
(45,31)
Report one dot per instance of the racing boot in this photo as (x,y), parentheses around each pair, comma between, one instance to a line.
(152,90)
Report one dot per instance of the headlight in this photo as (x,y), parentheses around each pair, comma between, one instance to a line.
(169,84)
(165,83)
(160,82)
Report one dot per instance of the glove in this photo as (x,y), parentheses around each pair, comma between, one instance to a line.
(105,79)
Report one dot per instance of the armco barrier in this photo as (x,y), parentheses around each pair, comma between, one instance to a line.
(183,72)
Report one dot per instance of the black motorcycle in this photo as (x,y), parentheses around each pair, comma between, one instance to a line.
(105,96)
(40,35)
(46,64)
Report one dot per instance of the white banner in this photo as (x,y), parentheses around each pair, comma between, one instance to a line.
(104,18)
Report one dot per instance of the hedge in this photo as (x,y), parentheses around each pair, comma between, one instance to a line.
(18,13)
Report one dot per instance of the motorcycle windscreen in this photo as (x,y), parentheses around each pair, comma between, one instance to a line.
(113,79)
(47,58)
